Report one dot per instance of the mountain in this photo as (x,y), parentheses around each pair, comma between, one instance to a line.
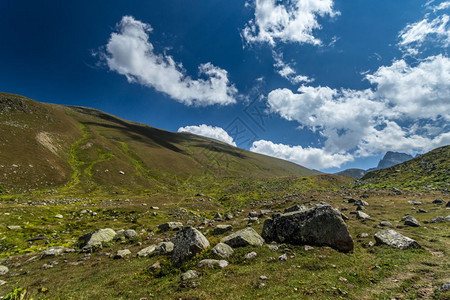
(393,158)
(389,159)
(430,170)
(68,148)
(355,173)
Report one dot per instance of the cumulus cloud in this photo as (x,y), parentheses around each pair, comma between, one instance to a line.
(366,122)
(294,21)
(436,30)
(217,133)
(313,158)
(285,70)
(129,52)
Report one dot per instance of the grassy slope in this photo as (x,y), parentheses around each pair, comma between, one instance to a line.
(428,171)
(85,150)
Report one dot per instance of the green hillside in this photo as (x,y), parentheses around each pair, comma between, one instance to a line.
(48,146)
(428,171)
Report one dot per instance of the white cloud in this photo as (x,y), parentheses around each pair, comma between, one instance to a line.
(217,133)
(294,21)
(286,71)
(413,36)
(313,158)
(375,120)
(441,6)
(129,52)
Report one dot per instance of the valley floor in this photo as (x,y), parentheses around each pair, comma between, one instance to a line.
(369,272)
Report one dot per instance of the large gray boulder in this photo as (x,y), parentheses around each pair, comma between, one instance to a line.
(96,238)
(411,221)
(394,239)
(187,243)
(320,225)
(244,237)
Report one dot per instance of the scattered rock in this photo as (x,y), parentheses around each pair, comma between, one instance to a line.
(211,263)
(218,217)
(308,248)
(170,226)
(283,257)
(253,214)
(320,225)
(361,203)
(244,237)
(219,229)
(439,219)
(146,251)
(94,239)
(222,250)
(14,227)
(187,243)
(363,235)
(122,253)
(423,211)
(165,248)
(253,220)
(413,202)
(228,216)
(263,277)
(362,216)
(448,204)
(189,275)
(155,267)
(55,251)
(3,270)
(394,239)
(154,207)
(272,247)
(59,216)
(2,282)
(385,224)
(411,221)
(438,201)
(250,255)
(445,287)
(130,233)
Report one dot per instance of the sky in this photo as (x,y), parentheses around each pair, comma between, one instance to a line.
(327,84)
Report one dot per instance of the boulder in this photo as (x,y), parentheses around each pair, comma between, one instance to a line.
(170,226)
(361,203)
(385,224)
(394,239)
(219,229)
(211,263)
(218,217)
(164,248)
(362,215)
(413,202)
(189,275)
(3,270)
(94,239)
(146,251)
(187,243)
(228,216)
(130,233)
(222,250)
(242,238)
(321,225)
(440,219)
(411,221)
(438,201)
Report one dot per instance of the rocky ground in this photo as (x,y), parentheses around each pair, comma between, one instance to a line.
(355,244)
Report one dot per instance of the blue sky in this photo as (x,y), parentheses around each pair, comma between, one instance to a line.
(326,84)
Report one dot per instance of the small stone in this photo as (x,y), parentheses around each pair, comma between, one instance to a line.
(130,233)
(146,251)
(361,203)
(47,266)
(164,248)
(362,216)
(59,216)
(211,263)
(253,214)
(14,227)
(411,221)
(438,201)
(272,247)
(363,235)
(189,275)
(155,267)
(228,216)
(308,248)
(250,255)
(122,253)
(3,270)
(283,257)
(423,211)
(413,202)
(154,207)
(2,282)
(445,287)
(263,277)
(438,219)
(218,217)
(296,207)
(385,224)
(343,279)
